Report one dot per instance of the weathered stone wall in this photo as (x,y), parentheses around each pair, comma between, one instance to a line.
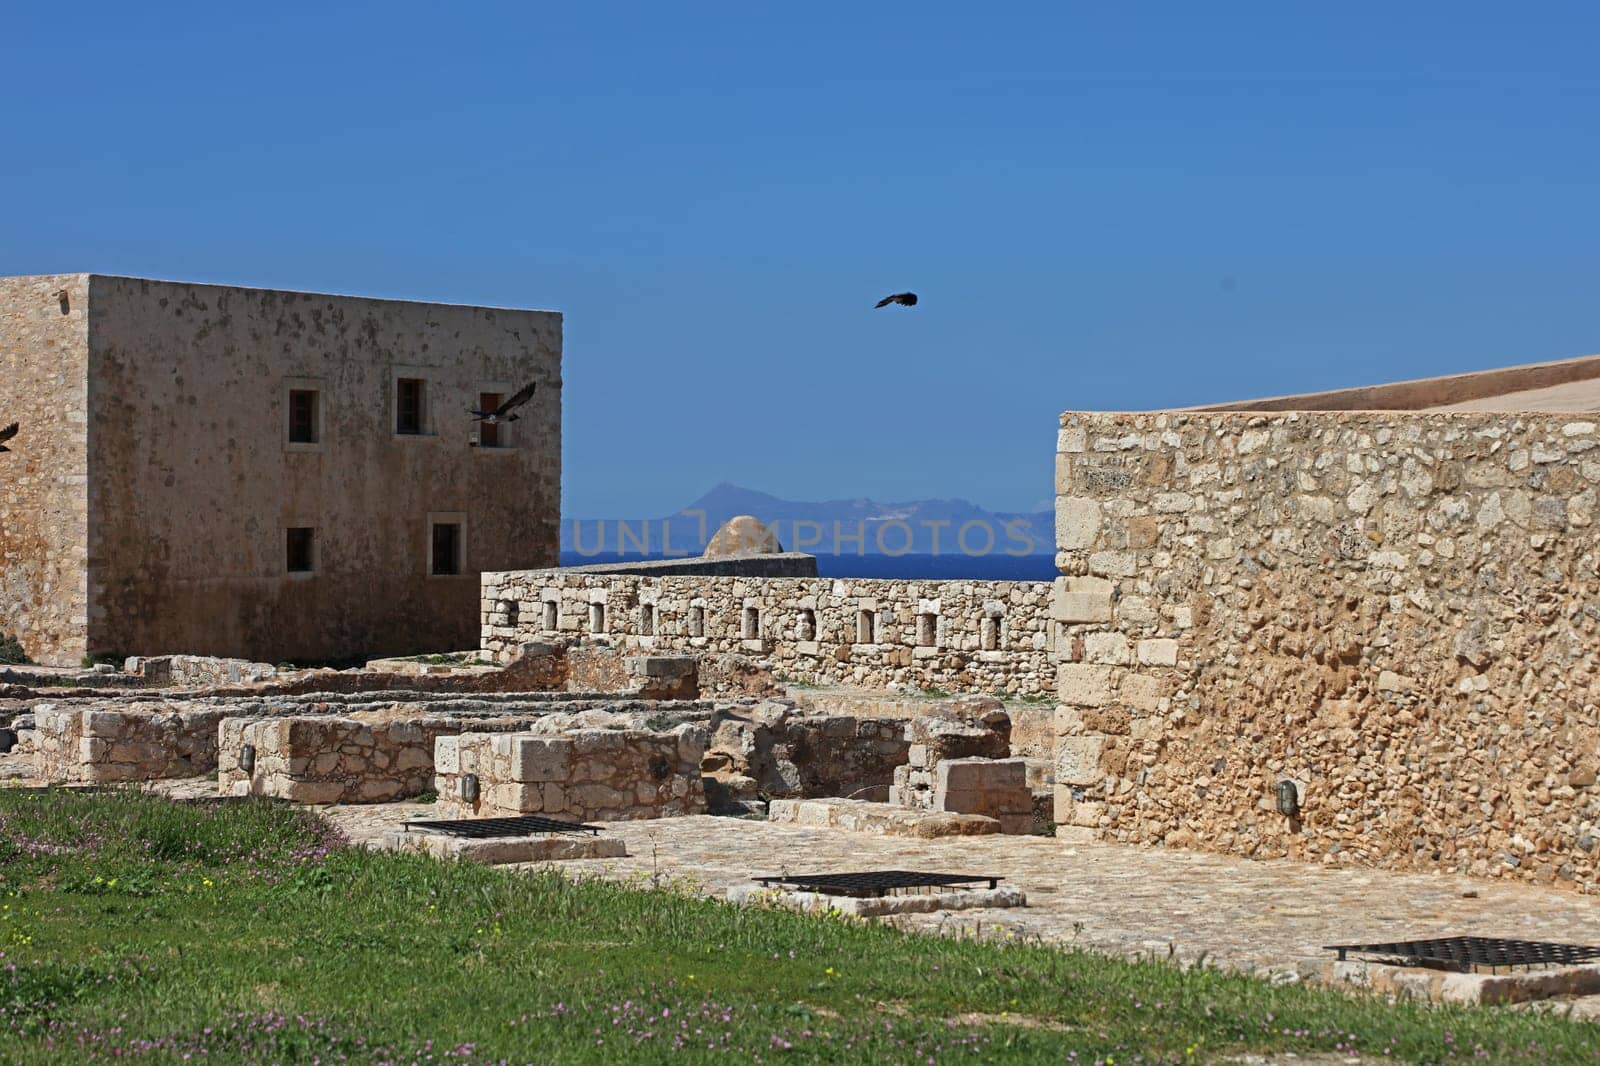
(327,759)
(589,774)
(193,481)
(775,749)
(105,744)
(195,671)
(920,634)
(44,547)
(1396,611)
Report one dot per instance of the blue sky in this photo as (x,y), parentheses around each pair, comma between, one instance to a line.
(1148,206)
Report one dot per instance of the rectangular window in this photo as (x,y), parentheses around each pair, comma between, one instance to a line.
(550,618)
(409,398)
(300,543)
(304,416)
(488,433)
(647,619)
(446,556)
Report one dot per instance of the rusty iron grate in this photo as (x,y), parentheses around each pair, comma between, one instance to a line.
(877,882)
(479,828)
(1469,953)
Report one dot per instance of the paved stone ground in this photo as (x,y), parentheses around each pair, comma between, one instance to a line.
(1267,916)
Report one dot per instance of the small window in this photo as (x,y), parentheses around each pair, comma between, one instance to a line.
(864,627)
(410,395)
(807,629)
(989,633)
(647,619)
(510,610)
(597,618)
(300,543)
(697,621)
(489,432)
(752,623)
(446,554)
(550,619)
(304,416)
(927,629)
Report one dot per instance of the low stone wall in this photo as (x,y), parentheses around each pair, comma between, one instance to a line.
(776,750)
(1032,721)
(102,745)
(328,759)
(962,636)
(197,671)
(588,775)
(975,728)
(1395,612)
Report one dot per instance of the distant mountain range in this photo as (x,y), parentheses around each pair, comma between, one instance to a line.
(859,527)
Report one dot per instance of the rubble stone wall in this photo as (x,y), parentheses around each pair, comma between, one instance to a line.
(101,744)
(1398,613)
(961,636)
(590,774)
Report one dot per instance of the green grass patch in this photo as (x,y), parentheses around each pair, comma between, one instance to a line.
(11,653)
(136,929)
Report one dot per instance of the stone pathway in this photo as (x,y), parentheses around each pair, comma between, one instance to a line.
(1260,916)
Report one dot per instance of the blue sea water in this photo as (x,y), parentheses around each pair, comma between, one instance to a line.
(955,567)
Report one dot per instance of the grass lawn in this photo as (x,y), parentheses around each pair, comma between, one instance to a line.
(133,928)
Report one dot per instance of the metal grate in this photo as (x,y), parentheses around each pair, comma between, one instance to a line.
(526,825)
(878,882)
(1468,953)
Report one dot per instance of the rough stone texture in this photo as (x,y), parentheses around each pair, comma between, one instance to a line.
(742,535)
(194,671)
(995,787)
(887,819)
(329,759)
(806,629)
(590,774)
(146,503)
(44,491)
(101,743)
(970,728)
(776,750)
(1394,611)
(1032,722)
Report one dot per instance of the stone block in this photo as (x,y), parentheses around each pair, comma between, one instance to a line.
(1159,652)
(1078,760)
(539,758)
(1077,523)
(1084,684)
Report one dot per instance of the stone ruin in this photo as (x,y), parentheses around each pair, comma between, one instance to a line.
(574,731)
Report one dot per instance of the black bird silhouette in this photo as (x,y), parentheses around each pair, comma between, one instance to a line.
(6,434)
(503,412)
(904,299)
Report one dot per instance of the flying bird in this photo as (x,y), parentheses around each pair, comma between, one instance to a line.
(6,434)
(503,413)
(904,299)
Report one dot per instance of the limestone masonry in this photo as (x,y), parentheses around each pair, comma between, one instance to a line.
(959,636)
(1396,612)
(282,475)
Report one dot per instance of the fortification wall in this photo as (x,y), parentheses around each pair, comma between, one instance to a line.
(959,636)
(1396,611)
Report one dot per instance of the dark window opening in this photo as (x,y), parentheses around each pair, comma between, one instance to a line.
(647,620)
(864,627)
(488,433)
(927,629)
(300,542)
(447,548)
(408,406)
(990,633)
(302,416)
(752,623)
(807,630)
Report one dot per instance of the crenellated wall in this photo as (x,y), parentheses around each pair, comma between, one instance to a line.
(958,636)
(1398,612)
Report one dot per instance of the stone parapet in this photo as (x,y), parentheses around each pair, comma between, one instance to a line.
(102,744)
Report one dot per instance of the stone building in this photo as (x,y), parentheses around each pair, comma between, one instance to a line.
(1349,627)
(278,475)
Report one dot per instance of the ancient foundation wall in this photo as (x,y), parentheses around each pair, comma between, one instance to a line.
(591,774)
(961,636)
(327,759)
(103,744)
(1398,613)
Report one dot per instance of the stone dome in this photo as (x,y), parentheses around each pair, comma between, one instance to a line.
(743,535)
